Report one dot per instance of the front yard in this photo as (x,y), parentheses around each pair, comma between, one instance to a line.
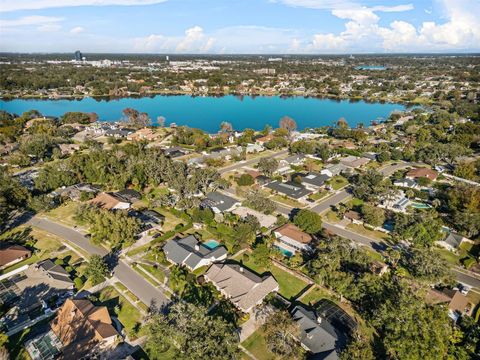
(337,182)
(257,345)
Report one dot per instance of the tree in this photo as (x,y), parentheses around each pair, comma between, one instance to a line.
(161,121)
(342,123)
(281,333)
(288,123)
(268,166)
(226,127)
(245,180)
(257,201)
(135,118)
(308,221)
(97,269)
(425,264)
(261,255)
(373,215)
(359,348)
(465,170)
(186,331)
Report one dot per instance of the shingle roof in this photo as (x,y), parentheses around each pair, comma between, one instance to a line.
(244,288)
(184,251)
(293,232)
(291,189)
(11,253)
(315,179)
(319,337)
(219,201)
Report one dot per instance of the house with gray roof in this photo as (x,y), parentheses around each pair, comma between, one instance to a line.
(318,335)
(191,253)
(314,181)
(334,170)
(291,189)
(453,241)
(219,203)
(241,286)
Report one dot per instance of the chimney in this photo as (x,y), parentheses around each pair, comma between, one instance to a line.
(319,320)
(197,247)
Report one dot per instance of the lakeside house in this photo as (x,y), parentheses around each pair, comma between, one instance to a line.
(241,286)
(11,254)
(193,254)
(291,239)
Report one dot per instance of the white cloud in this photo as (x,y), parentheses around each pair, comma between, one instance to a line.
(77,30)
(9,5)
(49,27)
(192,37)
(42,23)
(460,31)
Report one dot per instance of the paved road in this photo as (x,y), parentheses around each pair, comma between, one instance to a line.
(332,200)
(250,162)
(129,277)
(390,169)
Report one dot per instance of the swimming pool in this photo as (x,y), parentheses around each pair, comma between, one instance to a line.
(211,244)
(284,252)
(417,205)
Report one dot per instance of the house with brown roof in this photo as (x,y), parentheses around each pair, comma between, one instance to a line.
(354,162)
(11,254)
(422,173)
(144,134)
(457,303)
(241,286)
(110,201)
(82,327)
(290,239)
(264,139)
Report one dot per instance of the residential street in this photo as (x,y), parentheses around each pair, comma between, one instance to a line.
(332,200)
(129,277)
(239,165)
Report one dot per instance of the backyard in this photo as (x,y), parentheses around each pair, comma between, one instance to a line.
(256,344)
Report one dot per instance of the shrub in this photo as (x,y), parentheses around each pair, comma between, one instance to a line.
(78,283)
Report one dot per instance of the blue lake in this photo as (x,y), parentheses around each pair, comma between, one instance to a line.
(208,112)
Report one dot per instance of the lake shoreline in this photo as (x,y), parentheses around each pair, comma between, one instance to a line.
(208,112)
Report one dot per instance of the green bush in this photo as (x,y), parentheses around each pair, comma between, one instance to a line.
(468,262)
(78,283)
(59,262)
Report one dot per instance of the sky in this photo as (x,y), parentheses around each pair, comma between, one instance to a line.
(240,26)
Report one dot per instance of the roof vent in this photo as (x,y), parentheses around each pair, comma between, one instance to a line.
(241,269)
(197,247)
(319,320)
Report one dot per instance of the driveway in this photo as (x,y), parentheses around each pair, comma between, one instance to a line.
(145,291)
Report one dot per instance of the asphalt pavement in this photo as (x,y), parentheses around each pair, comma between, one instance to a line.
(145,291)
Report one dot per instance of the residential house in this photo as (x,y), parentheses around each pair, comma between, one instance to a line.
(68,149)
(334,170)
(129,195)
(453,241)
(219,203)
(110,201)
(191,253)
(174,152)
(74,192)
(264,139)
(266,221)
(296,159)
(398,203)
(290,239)
(82,327)
(144,134)
(354,162)
(406,183)
(11,254)
(118,133)
(254,148)
(458,304)
(422,173)
(353,216)
(150,219)
(317,335)
(291,189)
(314,181)
(241,286)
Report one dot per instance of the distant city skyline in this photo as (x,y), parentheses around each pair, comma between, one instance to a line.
(240,26)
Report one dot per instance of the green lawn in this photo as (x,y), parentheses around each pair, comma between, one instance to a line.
(287,201)
(315,294)
(332,216)
(449,256)
(256,344)
(128,315)
(337,182)
(290,286)
(64,214)
(360,229)
(157,272)
(318,195)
